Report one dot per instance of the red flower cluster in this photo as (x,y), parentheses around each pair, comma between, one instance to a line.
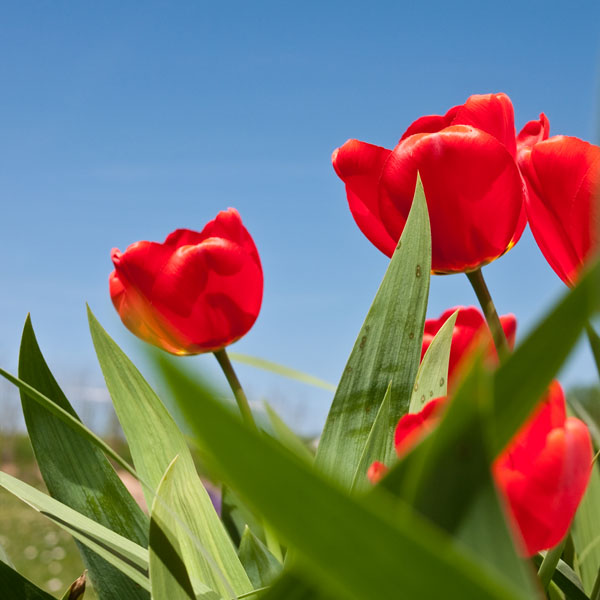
(196,292)
(482,183)
(547,464)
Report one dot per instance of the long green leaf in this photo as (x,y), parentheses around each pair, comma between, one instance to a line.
(155,440)
(169,575)
(391,547)
(123,554)
(286,436)
(594,340)
(15,587)
(77,473)
(524,377)
(586,533)
(447,479)
(432,378)
(262,567)
(388,348)
(273,367)
(566,579)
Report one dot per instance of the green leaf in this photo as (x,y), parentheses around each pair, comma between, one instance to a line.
(155,440)
(236,516)
(273,367)
(388,348)
(77,473)
(15,587)
(391,549)
(432,378)
(447,479)
(125,555)
(379,446)
(523,378)
(169,576)
(566,579)
(286,436)
(594,340)
(586,532)
(262,567)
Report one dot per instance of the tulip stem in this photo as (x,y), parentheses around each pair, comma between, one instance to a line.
(490,313)
(236,387)
(549,563)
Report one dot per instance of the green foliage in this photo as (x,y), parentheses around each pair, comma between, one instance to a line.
(155,440)
(77,473)
(387,349)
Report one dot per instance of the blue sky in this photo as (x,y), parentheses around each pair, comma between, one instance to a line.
(122,121)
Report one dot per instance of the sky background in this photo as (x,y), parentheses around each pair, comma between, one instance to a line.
(121,121)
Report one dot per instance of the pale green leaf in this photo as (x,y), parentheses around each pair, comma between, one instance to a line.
(286,436)
(432,377)
(273,367)
(155,440)
(123,554)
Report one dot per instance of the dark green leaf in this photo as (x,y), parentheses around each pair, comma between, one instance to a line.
(15,587)
(78,474)
(262,567)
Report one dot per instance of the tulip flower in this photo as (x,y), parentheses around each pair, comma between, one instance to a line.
(467,163)
(196,292)
(469,330)
(563,183)
(542,474)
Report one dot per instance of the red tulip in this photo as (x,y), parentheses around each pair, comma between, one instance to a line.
(542,474)
(196,292)
(474,191)
(469,329)
(563,181)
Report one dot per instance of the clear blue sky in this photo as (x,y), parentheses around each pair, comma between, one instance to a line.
(122,121)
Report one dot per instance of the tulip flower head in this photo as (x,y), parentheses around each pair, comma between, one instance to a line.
(563,185)
(467,163)
(196,292)
(542,474)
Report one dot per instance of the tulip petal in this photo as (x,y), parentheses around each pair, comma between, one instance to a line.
(359,166)
(492,113)
(533,132)
(563,179)
(197,292)
(474,193)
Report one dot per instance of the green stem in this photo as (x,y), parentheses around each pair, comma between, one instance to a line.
(549,563)
(490,313)
(236,387)
(244,406)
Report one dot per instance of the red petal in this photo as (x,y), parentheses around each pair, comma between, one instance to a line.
(412,428)
(359,166)
(544,472)
(563,178)
(474,193)
(533,132)
(188,296)
(376,471)
(492,113)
